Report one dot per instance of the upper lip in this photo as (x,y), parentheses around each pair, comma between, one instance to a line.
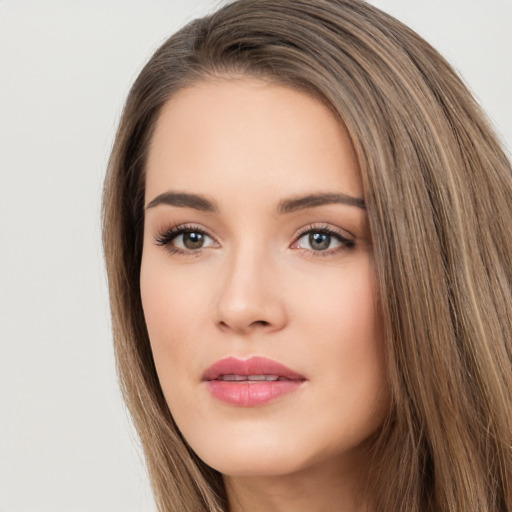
(252,366)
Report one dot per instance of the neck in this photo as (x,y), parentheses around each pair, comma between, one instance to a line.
(321,488)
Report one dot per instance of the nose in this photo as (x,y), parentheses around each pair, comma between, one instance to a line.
(250,298)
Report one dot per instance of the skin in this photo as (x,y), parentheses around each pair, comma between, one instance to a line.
(257,287)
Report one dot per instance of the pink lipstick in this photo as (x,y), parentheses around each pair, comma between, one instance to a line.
(250,382)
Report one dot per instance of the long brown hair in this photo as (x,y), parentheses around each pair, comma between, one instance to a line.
(438,189)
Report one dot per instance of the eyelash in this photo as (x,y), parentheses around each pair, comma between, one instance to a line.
(346,243)
(171,234)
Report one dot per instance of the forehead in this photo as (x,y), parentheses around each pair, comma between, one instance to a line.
(247,134)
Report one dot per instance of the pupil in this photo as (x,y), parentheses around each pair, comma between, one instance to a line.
(319,241)
(193,240)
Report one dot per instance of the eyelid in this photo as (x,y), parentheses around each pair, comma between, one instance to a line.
(167,235)
(346,242)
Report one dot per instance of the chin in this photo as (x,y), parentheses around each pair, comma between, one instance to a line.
(262,464)
(269,453)
(249,452)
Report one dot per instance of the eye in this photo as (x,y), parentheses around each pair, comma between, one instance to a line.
(185,239)
(322,240)
(191,240)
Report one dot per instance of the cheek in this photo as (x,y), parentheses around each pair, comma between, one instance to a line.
(348,353)
(178,319)
(359,328)
(173,312)
(343,311)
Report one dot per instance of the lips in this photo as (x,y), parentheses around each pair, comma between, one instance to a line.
(251,382)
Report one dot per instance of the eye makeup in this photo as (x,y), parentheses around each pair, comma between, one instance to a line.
(185,239)
(323,240)
(315,239)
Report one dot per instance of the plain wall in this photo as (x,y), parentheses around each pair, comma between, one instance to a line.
(66,443)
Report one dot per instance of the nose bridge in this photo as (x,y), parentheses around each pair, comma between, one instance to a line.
(249,297)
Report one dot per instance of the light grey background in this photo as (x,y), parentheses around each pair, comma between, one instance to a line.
(66,443)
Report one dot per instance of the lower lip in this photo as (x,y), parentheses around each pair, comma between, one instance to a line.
(251,394)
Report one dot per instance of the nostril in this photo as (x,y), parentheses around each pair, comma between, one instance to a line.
(262,323)
(249,327)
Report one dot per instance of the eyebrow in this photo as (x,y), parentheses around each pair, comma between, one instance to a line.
(184,200)
(314,200)
(199,202)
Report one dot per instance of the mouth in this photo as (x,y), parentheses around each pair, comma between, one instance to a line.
(250,378)
(250,382)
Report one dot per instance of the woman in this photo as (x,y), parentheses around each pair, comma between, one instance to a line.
(307,229)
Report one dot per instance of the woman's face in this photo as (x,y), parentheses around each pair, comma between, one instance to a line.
(257,280)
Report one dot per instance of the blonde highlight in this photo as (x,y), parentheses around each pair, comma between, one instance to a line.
(438,189)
